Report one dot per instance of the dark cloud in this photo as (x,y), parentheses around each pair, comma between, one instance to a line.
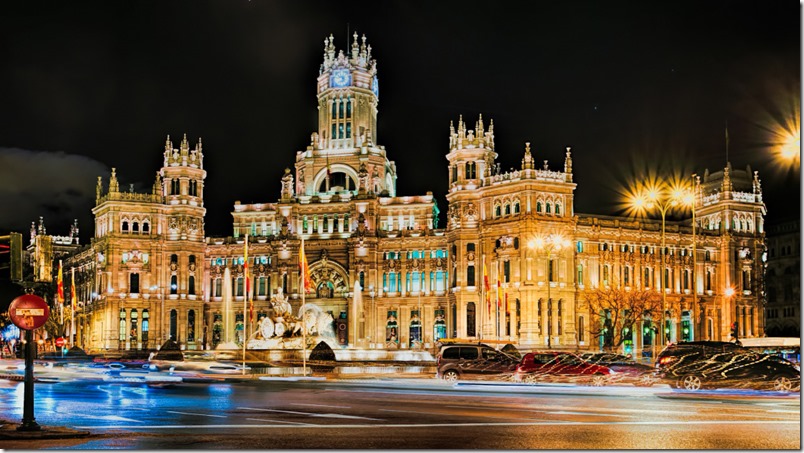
(55,185)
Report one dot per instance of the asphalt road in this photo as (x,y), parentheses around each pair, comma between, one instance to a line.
(405,414)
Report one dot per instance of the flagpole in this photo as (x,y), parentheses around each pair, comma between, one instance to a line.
(304,293)
(245,301)
(497,320)
(72,311)
(482,298)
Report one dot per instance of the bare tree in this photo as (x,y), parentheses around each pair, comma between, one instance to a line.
(614,313)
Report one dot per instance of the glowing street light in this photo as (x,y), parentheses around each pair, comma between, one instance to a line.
(549,244)
(664,197)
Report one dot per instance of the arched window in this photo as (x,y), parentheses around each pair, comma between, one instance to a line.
(174,259)
(146,325)
(132,335)
(175,187)
(191,326)
(581,331)
(134,283)
(516,207)
(146,227)
(174,284)
(415,328)
(471,329)
(174,323)
(125,226)
(558,209)
(191,285)
(538,206)
(497,211)
(122,331)
(507,209)
(135,227)
(547,208)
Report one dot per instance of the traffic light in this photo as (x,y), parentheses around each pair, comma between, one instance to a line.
(734,328)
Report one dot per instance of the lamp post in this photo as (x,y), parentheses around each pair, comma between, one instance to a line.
(549,244)
(664,198)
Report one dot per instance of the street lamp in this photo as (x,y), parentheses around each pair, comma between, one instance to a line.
(549,244)
(664,198)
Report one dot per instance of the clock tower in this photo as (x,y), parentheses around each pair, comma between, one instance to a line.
(347,96)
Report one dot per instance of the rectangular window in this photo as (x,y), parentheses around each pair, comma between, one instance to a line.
(579,246)
(627,276)
(340,131)
(348,130)
(261,286)
(580,274)
(239,286)
(470,276)
(646,278)
(507,271)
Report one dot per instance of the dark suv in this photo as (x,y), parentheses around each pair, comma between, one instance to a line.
(697,364)
(472,361)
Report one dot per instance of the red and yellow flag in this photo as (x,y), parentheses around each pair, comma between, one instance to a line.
(304,268)
(486,287)
(72,291)
(247,277)
(60,285)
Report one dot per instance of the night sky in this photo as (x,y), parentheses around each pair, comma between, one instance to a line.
(632,86)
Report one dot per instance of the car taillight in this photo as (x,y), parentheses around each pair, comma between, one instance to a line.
(438,360)
(666,360)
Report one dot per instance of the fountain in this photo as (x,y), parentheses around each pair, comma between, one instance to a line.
(284,330)
(228,315)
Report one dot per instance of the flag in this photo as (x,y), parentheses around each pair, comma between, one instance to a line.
(248,281)
(72,292)
(304,268)
(486,286)
(60,285)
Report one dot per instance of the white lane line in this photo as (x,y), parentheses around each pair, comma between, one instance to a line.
(586,409)
(593,414)
(447,425)
(278,421)
(484,415)
(193,413)
(309,414)
(116,418)
(321,405)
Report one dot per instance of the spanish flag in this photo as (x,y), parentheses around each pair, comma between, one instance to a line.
(60,285)
(247,277)
(486,287)
(304,268)
(72,292)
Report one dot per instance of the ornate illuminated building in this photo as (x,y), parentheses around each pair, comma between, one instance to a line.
(150,273)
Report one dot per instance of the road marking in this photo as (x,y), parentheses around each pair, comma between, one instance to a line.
(116,418)
(546,408)
(484,415)
(783,411)
(193,413)
(278,421)
(447,425)
(321,405)
(309,414)
(585,413)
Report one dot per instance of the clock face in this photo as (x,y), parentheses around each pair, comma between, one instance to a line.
(340,78)
(375,87)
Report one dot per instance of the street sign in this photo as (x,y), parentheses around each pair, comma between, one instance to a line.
(28,312)
(60,341)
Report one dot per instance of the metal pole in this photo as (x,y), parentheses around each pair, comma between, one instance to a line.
(304,291)
(697,329)
(28,420)
(549,301)
(663,334)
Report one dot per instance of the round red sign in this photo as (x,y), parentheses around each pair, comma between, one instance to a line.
(29,312)
(59,341)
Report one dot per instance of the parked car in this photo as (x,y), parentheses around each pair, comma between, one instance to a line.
(696,365)
(626,370)
(560,366)
(472,361)
(686,351)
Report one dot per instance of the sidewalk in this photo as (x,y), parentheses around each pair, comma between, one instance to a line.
(8,431)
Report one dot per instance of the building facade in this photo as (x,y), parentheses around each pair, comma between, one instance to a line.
(782,314)
(151,274)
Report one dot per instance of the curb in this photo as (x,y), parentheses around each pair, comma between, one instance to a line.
(9,431)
